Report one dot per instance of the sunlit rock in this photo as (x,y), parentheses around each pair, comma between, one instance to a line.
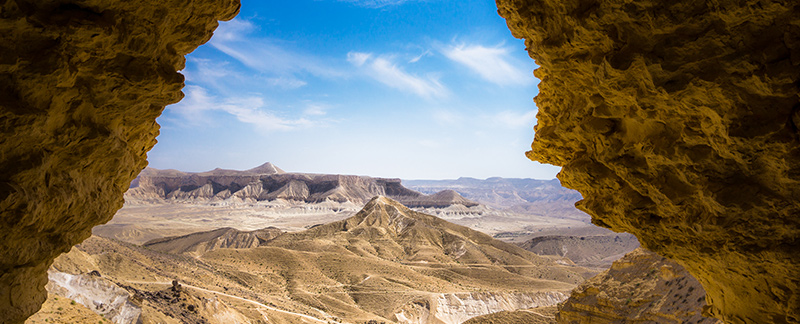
(678,122)
(81,84)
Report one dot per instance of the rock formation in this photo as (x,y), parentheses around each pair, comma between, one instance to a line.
(81,84)
(642,287)
(267,183)
(678,122)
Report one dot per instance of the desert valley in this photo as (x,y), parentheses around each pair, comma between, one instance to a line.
(267,246)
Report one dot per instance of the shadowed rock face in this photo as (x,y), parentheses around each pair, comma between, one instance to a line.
(678,122)
(81,84)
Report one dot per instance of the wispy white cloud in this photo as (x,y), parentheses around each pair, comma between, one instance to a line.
(315,109)
(286,83)
(358,59)
(235,39)
(419,57)
(376,3)
(193,110)
(513,119)
(222,77)
(494,64)
(384,70)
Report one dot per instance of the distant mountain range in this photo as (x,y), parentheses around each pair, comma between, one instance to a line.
(524,196)
(268,182)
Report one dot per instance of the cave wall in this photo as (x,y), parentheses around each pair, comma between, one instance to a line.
(81,84)
(678,122)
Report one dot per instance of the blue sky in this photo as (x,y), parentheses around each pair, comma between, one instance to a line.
(414,89)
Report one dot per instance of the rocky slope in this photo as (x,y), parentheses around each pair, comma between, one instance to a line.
(598,251)
(386,229)
(642,287)
(269,183)
(58,309)
(677,121)
(223,238)
(81,85)
(386,263)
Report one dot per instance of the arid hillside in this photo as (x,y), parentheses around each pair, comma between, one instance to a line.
(594,251)
(386,263)
(223,238)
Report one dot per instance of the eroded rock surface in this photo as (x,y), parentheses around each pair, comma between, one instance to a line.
(678,122)
(81,84)
(642,287)
(269,183)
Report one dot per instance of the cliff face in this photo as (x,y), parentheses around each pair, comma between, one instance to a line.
(81,84)
(267,184)
(642,287)
(678,122)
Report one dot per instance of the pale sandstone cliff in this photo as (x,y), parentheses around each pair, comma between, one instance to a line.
(678,122)
(81,84)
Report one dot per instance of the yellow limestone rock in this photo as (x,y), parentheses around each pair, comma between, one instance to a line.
(678,122)
(81,84)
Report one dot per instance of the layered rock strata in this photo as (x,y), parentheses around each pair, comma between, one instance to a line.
(678,122)
(81,84)
(268,183)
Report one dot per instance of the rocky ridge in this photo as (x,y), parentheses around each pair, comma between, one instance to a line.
(269,183)
(677,121)
(223,238)
(386,229)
